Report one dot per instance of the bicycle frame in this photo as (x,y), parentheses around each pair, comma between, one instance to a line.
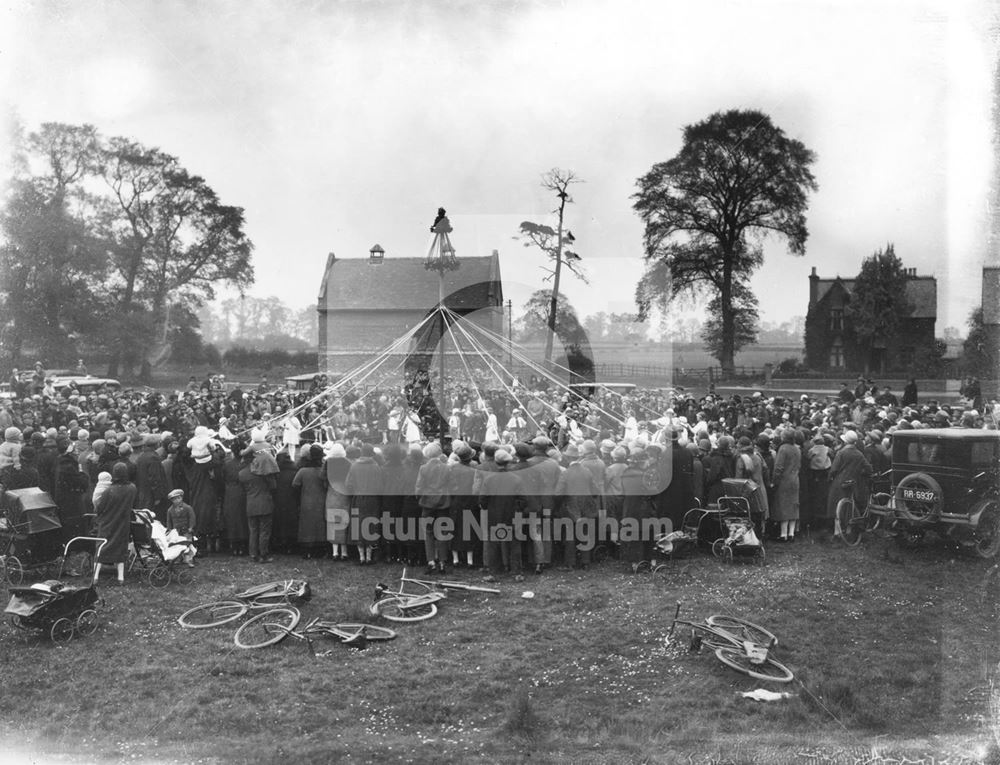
(433,586)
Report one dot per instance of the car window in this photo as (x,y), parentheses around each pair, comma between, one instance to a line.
(984,454)
(925,453)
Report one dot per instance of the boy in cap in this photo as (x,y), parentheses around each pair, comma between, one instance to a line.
(181,518)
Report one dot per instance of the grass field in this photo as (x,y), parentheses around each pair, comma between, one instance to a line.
(894,653)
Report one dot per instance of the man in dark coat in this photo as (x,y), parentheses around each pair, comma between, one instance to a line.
(150,479)
(849,464)
(502,496)
(260,509)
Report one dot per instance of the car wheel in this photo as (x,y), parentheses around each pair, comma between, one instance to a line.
(988,532)
(919,498)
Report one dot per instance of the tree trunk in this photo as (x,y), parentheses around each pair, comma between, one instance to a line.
(125,310)
(727,356)
(554,303)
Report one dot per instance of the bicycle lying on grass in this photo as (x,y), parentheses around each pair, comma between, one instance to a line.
(402,606)
(274,625)
(737,643)
(262,596)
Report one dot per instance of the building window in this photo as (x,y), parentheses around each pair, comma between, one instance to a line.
(836,356)
(837,319)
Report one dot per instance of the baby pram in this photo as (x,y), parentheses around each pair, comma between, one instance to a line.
(61,610)
(30,535)
(157,553)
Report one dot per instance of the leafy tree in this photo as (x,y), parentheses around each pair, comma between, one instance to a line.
(978,356)
(174,238)
(534,323)
(878,304)
(50,263)
(736,178)
(554,243)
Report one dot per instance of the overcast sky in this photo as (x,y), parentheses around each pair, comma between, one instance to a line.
(340,124)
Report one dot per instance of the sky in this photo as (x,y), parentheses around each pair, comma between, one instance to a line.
(336,125)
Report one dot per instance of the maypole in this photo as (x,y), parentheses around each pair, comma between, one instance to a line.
(441,257)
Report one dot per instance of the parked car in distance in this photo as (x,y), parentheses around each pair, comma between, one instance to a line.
(85,384)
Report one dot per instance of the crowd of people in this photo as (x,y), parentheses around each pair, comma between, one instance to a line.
(350,474)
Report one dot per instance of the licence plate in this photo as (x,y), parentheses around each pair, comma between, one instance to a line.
(919,495)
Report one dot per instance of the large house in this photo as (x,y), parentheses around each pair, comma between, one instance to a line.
(829,343)
(366,304)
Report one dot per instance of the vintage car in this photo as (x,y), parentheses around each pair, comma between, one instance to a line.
(85,384)
(945,480)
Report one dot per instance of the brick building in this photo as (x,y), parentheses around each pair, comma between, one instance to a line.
(829,343)
(365,304)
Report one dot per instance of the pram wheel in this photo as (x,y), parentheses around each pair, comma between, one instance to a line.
(184,576)
(660,572)
(16,621)
(13,570)
(61,631)
(159,576)
(86,623)
(718,547)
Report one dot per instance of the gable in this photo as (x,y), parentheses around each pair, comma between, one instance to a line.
(921,291)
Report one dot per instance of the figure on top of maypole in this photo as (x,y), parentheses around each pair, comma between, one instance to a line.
(441,256)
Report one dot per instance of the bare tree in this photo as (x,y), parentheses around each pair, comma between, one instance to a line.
(554,243)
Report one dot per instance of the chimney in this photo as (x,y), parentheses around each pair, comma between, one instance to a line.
(813,287)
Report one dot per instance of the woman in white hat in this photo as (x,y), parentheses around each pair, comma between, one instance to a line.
(849,464)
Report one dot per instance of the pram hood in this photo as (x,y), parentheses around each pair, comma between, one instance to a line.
(32,599)
(31,511)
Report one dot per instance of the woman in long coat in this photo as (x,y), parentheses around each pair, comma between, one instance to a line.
(285,532)
(114,516)
(364,486)
(72,486)
(637,507)
(849,464)
(785,480)
(310,480)
(464,507)
(338,502)
(395,489)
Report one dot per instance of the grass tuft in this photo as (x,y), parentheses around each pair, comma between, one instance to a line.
(522,720)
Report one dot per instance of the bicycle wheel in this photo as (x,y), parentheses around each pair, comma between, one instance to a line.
(369,631)
(742,629)
(402,609)
(212,614)
(267,628)
(769,669)
(851,522)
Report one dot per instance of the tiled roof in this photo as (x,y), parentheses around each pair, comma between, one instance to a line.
(921,291)
(405,284)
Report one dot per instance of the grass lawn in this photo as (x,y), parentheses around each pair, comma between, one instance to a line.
(894,654)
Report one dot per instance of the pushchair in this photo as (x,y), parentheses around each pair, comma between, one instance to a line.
(61,610)
(157,553)
(742,521)
(30,535)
